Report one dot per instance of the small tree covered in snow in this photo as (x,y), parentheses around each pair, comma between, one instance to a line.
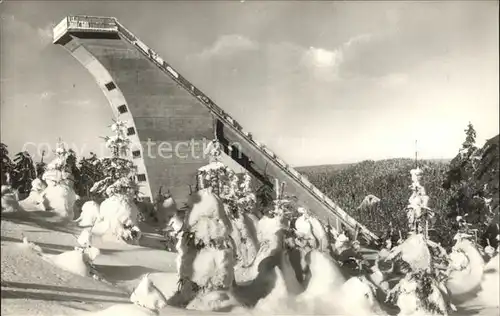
(61,168)
(418,212)
(423,261)
(119,172)
(206,235)
(59,194)
(119,214)
(238,201)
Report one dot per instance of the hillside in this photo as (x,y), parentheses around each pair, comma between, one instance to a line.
(487,174)
(389,181)
(342,166)
(324,168)
(32,286)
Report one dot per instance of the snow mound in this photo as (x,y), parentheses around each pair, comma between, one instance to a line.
(119,217)
(213,268)
(270,237)
(61,199)
(312,232)
(77,261)
(218,301)
(358,298)
(414,251)
(89,215)
(467,268)
(209,230)
(85,238)
(493,265)
(489,294)
(207,219)
(73,261)
(326,276)
(122,310)
(118,209)
(244,235)
(147,295)
(35,198)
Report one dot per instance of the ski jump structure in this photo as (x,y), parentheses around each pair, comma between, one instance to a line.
(161,106)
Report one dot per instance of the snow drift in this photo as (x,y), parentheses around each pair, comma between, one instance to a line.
(60,198)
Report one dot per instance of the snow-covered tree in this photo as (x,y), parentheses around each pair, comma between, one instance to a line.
(205,235)
(59,170)
(59,194)
(418,212)
(119,215)
(423,261)
(119,171)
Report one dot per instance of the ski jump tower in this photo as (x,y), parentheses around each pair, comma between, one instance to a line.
(161,106)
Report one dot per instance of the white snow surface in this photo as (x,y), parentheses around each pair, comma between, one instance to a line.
(469,266)
(147,295)
(115,212)
(61,199)
(311,229)
(207,218)
(50,290)
(89,215)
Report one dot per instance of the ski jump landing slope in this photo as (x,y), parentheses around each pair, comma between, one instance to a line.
(161,106)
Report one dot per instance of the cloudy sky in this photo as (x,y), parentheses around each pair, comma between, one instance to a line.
(318,82)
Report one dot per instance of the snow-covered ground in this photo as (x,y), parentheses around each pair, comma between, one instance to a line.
(32,286)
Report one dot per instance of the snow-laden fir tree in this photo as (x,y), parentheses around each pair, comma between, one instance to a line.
(119,171)
(206,258)
(422,290)
(59,194)
(119,214)
(239,202)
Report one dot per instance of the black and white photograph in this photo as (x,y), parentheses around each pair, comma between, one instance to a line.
(249,157)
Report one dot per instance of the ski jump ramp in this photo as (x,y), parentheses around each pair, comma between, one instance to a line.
(163,107)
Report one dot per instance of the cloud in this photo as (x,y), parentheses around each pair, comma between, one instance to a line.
(325,64)
(227,45)
(321,58)
(26,42)
(325,58)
